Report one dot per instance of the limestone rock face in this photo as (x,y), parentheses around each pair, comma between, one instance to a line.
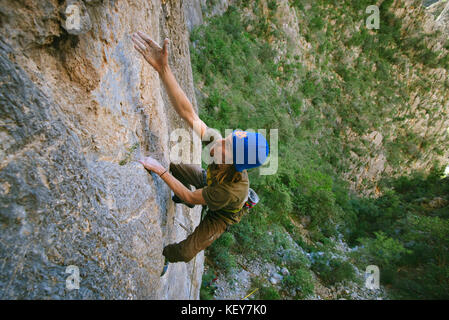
(197,11)
(440,10)
(76,109)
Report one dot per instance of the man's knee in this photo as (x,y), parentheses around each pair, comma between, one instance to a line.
(172,167)
(174,253)
(186,257)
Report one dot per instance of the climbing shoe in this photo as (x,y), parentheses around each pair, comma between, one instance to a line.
(164,270)
(176,199)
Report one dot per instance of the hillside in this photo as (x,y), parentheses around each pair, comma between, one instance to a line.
(359,113)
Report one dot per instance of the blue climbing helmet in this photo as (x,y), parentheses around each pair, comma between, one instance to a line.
(249,149)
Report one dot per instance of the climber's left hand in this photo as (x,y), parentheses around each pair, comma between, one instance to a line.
(152,165)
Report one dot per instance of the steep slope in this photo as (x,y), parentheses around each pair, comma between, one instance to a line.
(383,94)
(353,106)
(78,106)
(440,10)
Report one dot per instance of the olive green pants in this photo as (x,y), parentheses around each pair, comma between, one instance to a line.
(209,229)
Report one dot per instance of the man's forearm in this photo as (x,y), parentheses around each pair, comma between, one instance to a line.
(186,195)
(178,188)
(177,96)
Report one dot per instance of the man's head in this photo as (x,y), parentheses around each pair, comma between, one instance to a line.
(243,149)
(249,149)
(221,151)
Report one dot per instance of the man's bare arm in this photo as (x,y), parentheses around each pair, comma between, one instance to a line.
(189,196)
(158,58)
(180,101)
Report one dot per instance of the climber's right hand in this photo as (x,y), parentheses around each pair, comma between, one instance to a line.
(156,56)
(152,164)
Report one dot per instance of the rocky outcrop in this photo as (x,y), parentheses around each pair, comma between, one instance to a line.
(440,10)
(196,12)
(78,106)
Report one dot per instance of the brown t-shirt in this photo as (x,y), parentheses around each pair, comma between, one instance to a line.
(228,196)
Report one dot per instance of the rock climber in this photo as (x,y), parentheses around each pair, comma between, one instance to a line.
(224,186)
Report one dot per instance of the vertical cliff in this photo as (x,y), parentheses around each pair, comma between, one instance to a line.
(78,105)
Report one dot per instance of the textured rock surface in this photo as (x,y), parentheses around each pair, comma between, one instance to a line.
(196,12)
(193,12)
(440,10)
(76,110)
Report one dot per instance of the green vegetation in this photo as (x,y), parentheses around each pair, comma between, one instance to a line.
(264,291)
(406,234)
(129,154)
(332,271)
(207,287)
(268,293)
(300,281)
(352,84)
(221,254)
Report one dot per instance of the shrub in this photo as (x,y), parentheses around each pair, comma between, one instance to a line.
(301,281)
(294,259)
(382,250)
(264,290)
(333,270)
(207,287)
(269,293)
(220,252)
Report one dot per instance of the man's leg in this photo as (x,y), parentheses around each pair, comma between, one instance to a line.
(209,229)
